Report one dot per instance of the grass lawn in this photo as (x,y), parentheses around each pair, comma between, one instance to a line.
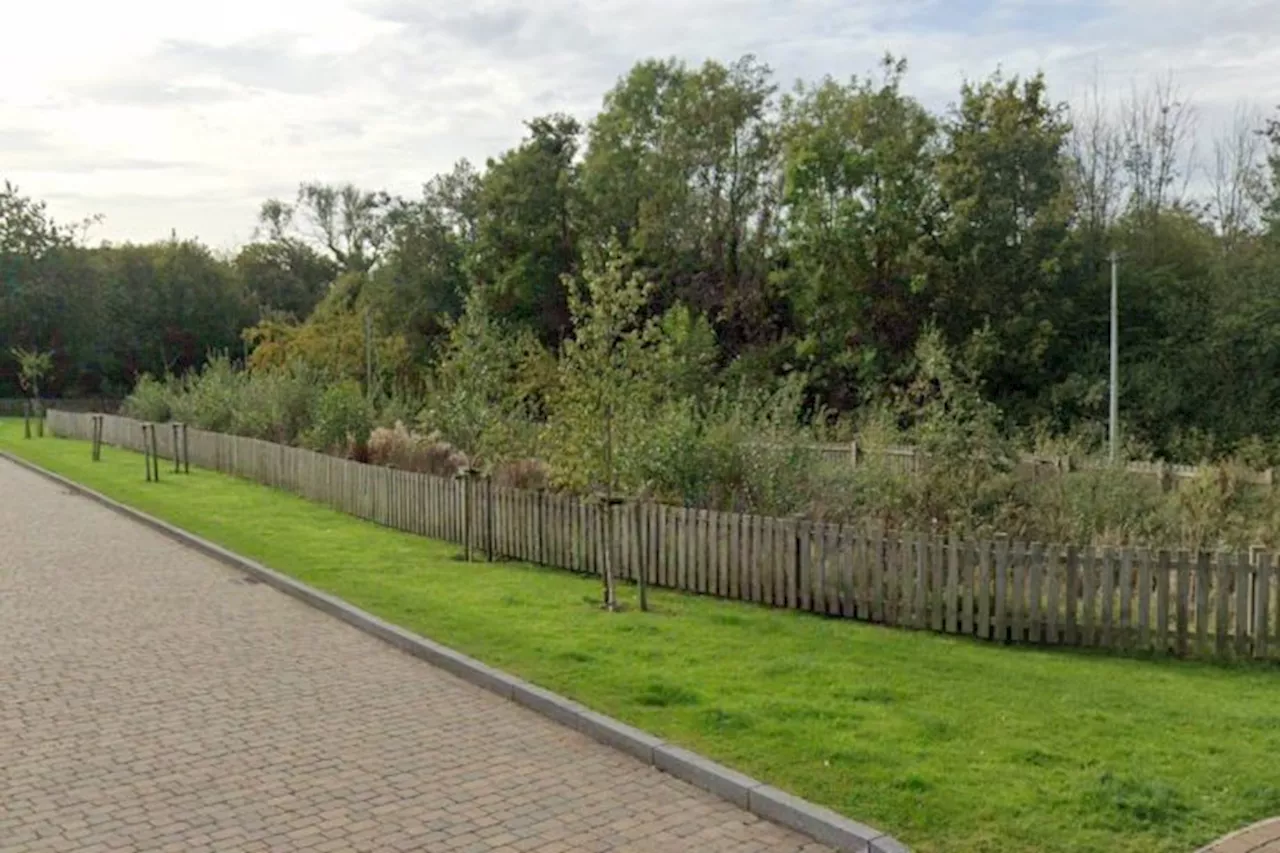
(951,745)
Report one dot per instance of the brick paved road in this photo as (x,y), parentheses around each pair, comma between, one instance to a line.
(151,699)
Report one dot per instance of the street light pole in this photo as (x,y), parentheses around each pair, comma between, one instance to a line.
(1114,430)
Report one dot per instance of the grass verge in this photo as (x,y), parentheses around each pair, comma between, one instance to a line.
(949,744)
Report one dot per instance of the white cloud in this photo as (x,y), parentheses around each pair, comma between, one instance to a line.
(175,115)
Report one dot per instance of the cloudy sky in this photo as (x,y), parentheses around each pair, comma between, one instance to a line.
(163,114)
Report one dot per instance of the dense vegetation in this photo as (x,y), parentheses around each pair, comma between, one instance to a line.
(713,270)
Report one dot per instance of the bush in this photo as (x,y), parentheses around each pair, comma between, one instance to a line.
(342,422)
(150,400)
(209,399)
(399,447)
(522,474)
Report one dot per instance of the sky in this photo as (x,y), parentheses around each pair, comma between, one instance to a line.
(165,116)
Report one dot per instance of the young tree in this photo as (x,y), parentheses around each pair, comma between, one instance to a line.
(33,366)
(603,397)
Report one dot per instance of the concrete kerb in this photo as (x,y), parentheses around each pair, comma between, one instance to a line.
(761,800)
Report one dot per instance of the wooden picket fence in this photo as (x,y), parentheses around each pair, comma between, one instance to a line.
(1221,605)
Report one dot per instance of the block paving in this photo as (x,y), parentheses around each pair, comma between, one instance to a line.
(152,699)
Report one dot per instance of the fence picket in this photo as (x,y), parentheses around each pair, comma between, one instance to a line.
(1164,566)
(1243,579)
(875,569)
(937,581)
(1204,579)
(1052,583)
(1002,592)
(1089,594)
(1126,598)
(1035,632)
(1222,598)
(1261,605)
(1181,603)
(739,581)
(882,580)
(1144,599)
(1018,594)
(984,590)
(966,587)
(953,585)
(919,610)
(1107,565)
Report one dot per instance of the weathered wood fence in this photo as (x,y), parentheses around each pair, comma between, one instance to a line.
(1221,604)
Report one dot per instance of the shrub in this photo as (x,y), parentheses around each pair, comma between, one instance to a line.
(342,422)
(150,400)
(209,399)
(277,405)
(399,447)
(522,474)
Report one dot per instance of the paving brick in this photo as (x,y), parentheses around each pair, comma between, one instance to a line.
(155,701)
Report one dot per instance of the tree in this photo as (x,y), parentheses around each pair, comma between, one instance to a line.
(423,283)
(1001,264)
(526,228)
(33,366)
(861,206)
(284,276)
(603,397)
(488,386)
(349,223)
(681,168)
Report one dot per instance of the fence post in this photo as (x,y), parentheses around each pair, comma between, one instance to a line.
(155,452)
(641,581)
(26,418)
(38,411)
(146,450)
(466,474)
(186,451)
(177,467)
(488,516)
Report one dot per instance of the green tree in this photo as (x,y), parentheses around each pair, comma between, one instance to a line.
(526,228)
(681,167)
(861,209)
(348,223)
(284,276)
(1002,255)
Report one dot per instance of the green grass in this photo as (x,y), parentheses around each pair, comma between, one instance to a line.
(951,745)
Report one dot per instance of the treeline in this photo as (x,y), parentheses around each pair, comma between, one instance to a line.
(110,314)
(818,232)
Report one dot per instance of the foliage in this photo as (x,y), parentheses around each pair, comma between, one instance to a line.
(343,421)
(332,340)
(488,386)
(605,391)
(399,447)
(150,400)
(33,367)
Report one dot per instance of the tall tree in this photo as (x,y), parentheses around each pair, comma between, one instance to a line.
(526,240)
(1002,245)
(681,167)
(349,223)
(861,203)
